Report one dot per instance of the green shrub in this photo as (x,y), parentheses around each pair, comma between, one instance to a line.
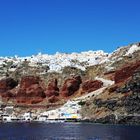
(81,103)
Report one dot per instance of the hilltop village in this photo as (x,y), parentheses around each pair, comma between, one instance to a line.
(89,86)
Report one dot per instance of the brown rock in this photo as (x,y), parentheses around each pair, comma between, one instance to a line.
(91,85)
(113,88)
(36,100)
(8,95)
(27,81)
(53,85)
(70,86)
(52,89)
(30,91)
(53,99)
(7,84)
(50,93)
(125,72)
(26,100)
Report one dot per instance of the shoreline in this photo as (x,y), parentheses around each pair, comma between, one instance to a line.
(73,122)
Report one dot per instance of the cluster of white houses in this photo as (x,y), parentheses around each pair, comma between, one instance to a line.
(68,112)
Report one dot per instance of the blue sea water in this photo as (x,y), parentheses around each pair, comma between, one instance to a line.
(67,131)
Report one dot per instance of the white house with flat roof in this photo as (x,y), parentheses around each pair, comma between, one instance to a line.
(27,116)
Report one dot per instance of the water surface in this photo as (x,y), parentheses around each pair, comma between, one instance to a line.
(67,131)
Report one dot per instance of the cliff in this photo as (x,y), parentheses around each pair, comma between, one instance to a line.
(50,80)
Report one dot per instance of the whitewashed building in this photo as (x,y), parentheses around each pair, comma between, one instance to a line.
(8,110)
(70,110)
(27,116)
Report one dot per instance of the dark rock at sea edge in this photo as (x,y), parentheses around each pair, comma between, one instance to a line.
(110,119)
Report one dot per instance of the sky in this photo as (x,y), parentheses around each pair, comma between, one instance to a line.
(49,26)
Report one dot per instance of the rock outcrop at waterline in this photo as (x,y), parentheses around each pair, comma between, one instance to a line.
(119,103)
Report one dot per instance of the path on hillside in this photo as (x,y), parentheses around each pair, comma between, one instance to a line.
(106,83)
(89,95)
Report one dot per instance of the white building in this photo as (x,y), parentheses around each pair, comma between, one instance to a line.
(6,118)
(70,110)
(1,112)
(8,110)
(27,116)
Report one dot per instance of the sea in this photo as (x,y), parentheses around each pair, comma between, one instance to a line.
(68,131)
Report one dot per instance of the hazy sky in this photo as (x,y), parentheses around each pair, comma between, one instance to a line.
(31,26)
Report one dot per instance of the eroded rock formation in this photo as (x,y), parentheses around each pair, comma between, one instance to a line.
(7,84)
(30,90)
(52,89)
(53,99)
(125,72)
(70,86)
(91,85)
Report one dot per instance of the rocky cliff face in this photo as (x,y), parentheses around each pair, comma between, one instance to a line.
(91,85)
(45,79)
(120,102)
(33,89)
(132,90)
(70,86)
(52,89)
(7,84)
(126,72)
(30,90)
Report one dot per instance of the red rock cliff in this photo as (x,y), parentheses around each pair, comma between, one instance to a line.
(125,72)
(30,90)
(52,89)
(7,84)
(70,86)
(91,85)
